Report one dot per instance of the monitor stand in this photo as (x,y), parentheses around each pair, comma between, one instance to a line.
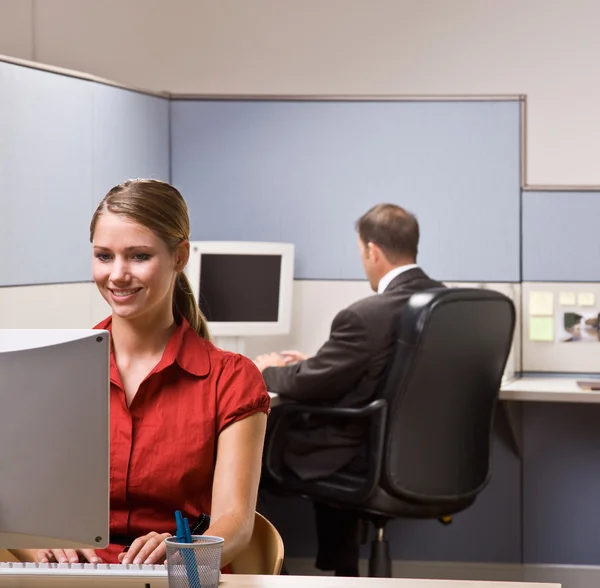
(235,344)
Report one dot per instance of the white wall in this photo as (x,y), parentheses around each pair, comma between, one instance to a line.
(547,49)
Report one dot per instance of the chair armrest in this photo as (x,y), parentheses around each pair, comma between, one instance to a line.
(375,413)
(350,413)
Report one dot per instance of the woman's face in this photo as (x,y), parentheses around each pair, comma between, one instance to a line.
(133,269)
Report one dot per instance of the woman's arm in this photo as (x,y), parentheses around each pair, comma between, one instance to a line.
(235,484)
(235,490)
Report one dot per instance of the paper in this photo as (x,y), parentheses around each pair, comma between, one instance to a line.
(541,303)
(567,299)
(589,384)
(586,299)
(541,328)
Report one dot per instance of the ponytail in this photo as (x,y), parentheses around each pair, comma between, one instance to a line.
(185,304)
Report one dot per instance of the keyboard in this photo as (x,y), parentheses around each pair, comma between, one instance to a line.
(53,575)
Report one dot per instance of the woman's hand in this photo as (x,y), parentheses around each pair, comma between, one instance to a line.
(149,549)
(67,556)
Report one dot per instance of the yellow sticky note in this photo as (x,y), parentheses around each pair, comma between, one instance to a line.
(541,303)
(567,299)
(586,299)
(541,328)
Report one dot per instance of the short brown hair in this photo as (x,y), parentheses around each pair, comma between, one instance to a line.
(394,230)
(159,207)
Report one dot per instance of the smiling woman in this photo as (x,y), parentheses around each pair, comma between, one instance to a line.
(148,221)
(187,419)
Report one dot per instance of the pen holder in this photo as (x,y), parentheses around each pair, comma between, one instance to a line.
(196,564)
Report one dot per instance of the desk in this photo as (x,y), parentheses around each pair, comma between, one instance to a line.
(556,389)
(534,389)
(530,389)
(539,389)
(247,581)
(240,581)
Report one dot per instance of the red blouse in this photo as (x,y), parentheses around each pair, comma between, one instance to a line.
(163,446)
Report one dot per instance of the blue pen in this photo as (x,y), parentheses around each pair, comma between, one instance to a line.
(180,533)
(184,536)
(188,533)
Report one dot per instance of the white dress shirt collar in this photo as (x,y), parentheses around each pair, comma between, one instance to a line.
(385,281)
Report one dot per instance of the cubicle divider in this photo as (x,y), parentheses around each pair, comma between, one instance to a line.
(561,281)
(304,170)
(64,141)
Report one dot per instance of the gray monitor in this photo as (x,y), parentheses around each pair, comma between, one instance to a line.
(54,438)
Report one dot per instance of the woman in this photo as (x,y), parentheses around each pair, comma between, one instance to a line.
(187,419)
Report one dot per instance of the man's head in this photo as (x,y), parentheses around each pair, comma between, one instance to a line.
(388,237)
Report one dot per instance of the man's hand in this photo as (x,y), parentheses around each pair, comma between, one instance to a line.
(293,356)
(269,360)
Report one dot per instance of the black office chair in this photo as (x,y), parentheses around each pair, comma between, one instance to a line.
(429,430)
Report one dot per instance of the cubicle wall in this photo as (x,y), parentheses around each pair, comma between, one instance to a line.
(63,142)
(303,171)
(561,281)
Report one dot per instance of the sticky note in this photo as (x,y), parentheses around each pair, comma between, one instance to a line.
(567,299)
(541,303)
(541,328)
(586,299)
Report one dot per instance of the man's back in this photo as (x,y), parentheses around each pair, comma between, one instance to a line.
(345,372)
(379,313)
(347,368)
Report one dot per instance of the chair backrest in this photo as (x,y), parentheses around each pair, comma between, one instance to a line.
(8,556)
(442,389)
(264,554)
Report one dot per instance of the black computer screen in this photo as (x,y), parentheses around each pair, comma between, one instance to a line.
(240,288)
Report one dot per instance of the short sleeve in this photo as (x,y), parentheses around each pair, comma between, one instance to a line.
(241,392)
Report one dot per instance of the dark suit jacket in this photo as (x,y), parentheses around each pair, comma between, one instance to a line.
(345,372)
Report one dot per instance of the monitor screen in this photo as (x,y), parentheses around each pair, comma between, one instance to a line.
(242,288)
(54,438)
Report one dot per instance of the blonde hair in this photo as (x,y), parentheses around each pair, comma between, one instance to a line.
(160,208)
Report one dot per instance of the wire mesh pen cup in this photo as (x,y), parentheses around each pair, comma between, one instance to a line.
(196,564)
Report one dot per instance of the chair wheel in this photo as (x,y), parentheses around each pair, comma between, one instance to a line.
(445,520)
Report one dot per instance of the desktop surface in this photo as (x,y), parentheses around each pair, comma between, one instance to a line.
(38,577)
(548,389)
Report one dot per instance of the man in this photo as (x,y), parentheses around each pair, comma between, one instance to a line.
(346,371)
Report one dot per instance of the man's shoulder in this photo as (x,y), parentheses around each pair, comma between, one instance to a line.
(396,295)
(368,306)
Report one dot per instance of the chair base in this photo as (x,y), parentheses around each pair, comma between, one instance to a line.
(380,563)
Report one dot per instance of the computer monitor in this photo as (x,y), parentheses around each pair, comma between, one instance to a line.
(243,288)
(54,438)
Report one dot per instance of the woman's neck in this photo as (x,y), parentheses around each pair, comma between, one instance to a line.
(145,336)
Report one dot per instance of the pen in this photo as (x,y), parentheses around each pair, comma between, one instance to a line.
(188,533)
(184,536)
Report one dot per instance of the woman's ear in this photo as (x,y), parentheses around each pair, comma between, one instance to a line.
(182,256)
